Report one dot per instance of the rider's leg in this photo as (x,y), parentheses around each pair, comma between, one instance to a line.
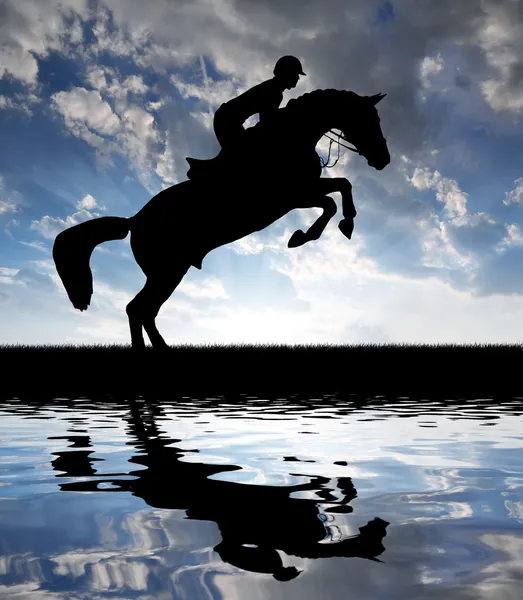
(228,132)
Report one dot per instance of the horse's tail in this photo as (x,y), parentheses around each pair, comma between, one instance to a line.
(72,250)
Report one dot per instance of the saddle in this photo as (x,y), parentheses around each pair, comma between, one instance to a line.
(203,167)
(214,167)
(207,167)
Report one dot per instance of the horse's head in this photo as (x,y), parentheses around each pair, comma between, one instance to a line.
(364,132)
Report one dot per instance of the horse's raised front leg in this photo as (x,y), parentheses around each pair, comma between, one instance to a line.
(346,225)
(344,186)
(327,185)
(300,237)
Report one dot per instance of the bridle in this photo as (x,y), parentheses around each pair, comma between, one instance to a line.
(325,164)
(340,135)
(374,99)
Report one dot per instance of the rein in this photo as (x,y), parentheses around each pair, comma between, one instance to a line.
(325,165)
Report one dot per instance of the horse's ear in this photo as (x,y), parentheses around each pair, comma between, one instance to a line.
(376,98)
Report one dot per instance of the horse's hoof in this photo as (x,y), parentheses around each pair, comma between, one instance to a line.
(160,349)
(297,239)
(346,226)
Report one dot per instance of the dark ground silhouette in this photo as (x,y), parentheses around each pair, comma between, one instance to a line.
(240,191)
(265,517)
(426,371)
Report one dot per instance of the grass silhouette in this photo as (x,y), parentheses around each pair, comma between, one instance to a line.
(375,369)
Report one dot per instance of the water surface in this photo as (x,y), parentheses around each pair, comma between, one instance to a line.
(287,497)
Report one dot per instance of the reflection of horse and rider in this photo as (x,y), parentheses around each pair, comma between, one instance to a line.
(238,192)
(255,521)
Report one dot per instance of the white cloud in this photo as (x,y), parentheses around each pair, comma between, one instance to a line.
(49,227)
(166,165)
(514,235)
(499,37)
(438,250)
(250,245)
(210,287)
(8,272)
(154,106)
(7,206)
(96,76)
(36,245)
(211,92)
(135,84)
(501,98)
(119,42)
(447,191)
(88,116)
(140,124)
(110,82)
(18,63)
(423,178)
(515,196)
(21,102)
(32,29)
(329,258)
(86,107)
(87,202)
(453,198)
(460,241)
(139,140)
(430,66)
(513,239)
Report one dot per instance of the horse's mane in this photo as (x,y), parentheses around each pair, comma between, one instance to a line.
(330,96)
(300,109)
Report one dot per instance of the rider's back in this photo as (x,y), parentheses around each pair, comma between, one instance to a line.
(264,98)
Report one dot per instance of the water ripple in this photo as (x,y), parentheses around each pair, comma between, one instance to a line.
(239,497)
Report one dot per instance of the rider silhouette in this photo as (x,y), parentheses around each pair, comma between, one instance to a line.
(264,99)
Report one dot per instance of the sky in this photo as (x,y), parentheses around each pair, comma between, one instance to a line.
(102,100)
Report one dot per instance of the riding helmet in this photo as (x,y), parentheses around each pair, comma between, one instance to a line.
(288,64)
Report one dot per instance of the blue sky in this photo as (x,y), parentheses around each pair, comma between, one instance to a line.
(100,103)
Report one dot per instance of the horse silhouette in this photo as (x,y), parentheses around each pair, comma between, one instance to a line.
(255,521)
(227,198)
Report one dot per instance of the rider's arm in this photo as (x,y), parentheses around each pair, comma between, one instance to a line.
(271,107)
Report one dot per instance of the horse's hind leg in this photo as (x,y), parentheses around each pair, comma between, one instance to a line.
(144,308)
(135,324)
